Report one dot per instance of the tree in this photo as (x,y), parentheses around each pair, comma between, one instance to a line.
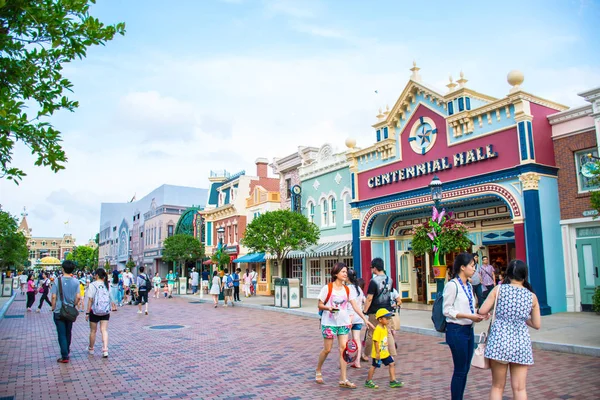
(13,244)
(279,232)
(220,258)
(83,257)
(36,39)
(181,249)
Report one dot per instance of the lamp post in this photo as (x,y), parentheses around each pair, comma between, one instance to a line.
(221,236)
(436,195)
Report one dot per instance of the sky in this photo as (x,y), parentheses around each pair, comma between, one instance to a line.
(201,85)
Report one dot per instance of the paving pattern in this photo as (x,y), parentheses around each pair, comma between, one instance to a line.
(237,353)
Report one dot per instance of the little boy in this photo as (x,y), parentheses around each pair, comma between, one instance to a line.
(380,351)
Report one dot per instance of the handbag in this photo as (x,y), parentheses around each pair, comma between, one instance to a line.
(66,312)
(479,360)
(396,319)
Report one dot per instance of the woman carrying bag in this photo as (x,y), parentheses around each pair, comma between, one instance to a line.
(509,342)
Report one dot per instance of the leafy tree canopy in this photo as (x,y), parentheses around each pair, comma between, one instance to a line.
(13,244)
(182,248)
(279,232)
(37,37)
(220,258)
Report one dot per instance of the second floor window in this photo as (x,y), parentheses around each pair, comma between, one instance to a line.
(288,188)
(311,212)
(324,212)
(332,213)
(169,230)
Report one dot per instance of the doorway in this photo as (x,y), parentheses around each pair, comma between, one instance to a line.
(420,269)
(588,260)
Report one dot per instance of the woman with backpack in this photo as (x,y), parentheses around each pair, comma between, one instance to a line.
(98,310)
(335,300)
(461,314)
(44,290)
(356,284)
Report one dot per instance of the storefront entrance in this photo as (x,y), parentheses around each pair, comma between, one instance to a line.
(588,259)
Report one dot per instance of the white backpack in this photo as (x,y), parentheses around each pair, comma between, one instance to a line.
(101,303)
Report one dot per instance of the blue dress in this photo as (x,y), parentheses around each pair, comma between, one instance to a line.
(509,339)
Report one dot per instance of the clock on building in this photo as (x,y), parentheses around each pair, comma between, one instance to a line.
(296,189)
(422,135)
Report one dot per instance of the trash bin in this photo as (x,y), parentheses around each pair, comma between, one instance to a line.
(285,293)
(182,285)
(294,298)
(7,287)
(277,287)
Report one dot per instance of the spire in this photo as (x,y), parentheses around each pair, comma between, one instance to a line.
(451,85)
(415,72)
(23,226)
(462,81)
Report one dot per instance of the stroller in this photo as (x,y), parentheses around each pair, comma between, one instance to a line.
(134,298)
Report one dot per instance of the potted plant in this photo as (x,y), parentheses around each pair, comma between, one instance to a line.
(442,234)
(596,300)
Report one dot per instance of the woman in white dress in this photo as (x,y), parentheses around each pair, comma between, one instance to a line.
(215,288)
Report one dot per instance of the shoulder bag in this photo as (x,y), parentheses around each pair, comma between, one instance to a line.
(67,312)
(479,360)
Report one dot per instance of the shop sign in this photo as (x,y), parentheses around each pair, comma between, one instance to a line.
(231,249)
(590,213)
(430,167)
(151,253)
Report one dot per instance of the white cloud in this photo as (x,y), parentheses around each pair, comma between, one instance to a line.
(319,31)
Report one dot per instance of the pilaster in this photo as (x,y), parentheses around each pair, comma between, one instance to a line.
(355,213)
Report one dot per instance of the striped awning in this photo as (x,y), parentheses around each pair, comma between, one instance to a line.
(340,249)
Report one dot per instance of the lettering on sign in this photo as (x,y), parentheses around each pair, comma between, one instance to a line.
(590,213)
(430,167)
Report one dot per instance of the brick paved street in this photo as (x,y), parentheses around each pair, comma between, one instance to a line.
(236,353)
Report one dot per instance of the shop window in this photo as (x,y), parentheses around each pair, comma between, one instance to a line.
(349,262)
(332,201)
(347,208)
(329,263)
(288,188)
(297,268)
(170,230)
(324,212)
(585,184)
(403,269)
(314,273)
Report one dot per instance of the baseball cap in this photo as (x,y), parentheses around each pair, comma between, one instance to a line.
(383,312)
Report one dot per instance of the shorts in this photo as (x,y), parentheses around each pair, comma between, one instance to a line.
(142,297)
(228,292)
(329,332)
(170,286)
(386,361)
(97,318)
(357,327)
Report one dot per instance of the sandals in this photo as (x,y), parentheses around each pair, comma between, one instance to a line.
(91,350)
(319,378)
(347,384)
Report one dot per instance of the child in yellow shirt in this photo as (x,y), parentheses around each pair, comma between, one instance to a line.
(380,351)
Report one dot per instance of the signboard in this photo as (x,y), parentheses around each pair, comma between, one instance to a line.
(231,249)
(590,213)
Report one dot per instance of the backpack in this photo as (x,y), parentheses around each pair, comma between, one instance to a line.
(148,283)
(101,304)
(437,313)
(229,281)
(329,291)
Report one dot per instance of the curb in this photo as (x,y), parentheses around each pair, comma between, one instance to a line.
(7,305)
(547,346)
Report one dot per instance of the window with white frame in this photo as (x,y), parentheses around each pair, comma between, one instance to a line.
(314,272)
(235,233)
(581,159)
(333,207)
(324,212)
(297,268)
(311,211)
(329,264)
(347,208)
(348,261)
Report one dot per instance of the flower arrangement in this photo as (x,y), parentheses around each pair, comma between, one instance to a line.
(442,234)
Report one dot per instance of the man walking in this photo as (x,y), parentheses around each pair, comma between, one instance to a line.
(236,285)
(205,276)
(70,295)
(142,288)
(171,282)
(195,281)
(227,287)
(476,281)
(378,296)
(488,277)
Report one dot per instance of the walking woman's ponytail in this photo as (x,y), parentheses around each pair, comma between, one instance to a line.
(353,279)
(517,270)
(101,272)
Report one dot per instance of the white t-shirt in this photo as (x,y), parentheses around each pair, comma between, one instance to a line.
(127,278)
(360,301)
(253,275)
(339,300)
(23,278)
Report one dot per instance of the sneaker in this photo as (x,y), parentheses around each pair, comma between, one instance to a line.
(38,310)
(146,312)
(232,304)
(139,311)
(29,310)
(371,385)
(396,384)
(91,351)
(105,354)
(63,360)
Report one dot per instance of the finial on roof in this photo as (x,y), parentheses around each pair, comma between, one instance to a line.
(415,72)
(515,78)
(380,114)
(462,80)
(387,110)
(451,85)
(350,143)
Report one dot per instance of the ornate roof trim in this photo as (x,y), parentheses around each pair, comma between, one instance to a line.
(573,113)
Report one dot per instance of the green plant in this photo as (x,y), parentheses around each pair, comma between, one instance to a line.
(596,300)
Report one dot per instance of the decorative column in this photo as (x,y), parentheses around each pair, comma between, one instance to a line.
(534,238)
(393,267)
(355,213)
(520,246)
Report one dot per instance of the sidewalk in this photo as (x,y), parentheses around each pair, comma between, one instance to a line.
(575,333)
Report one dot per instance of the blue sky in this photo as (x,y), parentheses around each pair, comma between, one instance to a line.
(208,84)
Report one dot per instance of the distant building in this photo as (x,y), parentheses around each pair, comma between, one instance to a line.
(287,170)
(136,230)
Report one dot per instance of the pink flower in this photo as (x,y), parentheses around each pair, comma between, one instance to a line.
(435,248)
(441,216)
(435,214)
(430,236)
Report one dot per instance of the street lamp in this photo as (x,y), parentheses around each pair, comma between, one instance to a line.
(221,234)
(436,191)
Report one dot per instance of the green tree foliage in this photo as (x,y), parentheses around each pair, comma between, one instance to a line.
(37,37)
(220,258)
(13,244)
(83,257)
(279,232)
(181,249)
(595,195)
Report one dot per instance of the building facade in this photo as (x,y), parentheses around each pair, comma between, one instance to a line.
(496,161)
(40,247)
(123,231)
(287,170)
(575,133)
